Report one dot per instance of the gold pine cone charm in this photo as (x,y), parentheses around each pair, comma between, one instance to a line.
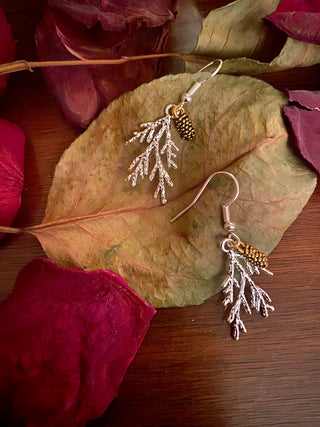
(252,254)
(183,123)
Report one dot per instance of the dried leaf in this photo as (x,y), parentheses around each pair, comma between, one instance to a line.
(300,19)
(94,219)
(304,118)
(65,368)
(237,33)
(7,47)
(11,171)
(236,29)
(82,92)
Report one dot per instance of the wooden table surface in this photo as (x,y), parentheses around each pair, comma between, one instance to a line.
(188,372)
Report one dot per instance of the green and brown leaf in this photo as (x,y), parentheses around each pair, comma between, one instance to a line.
(95,220)
(238,34)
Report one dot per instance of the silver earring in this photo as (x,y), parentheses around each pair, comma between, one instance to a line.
(153,132)
(243,261)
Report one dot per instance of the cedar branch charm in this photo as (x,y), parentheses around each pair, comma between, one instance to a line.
(244,261)
(153,133)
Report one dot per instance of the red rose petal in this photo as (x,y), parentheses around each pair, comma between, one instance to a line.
(306,98)
(7,47)
(82,92)
(304,119)
(11,171)
(300,19)
(118,15)
(73,87)
(67,338)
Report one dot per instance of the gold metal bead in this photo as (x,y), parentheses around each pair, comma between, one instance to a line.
(253,254)
(183,123)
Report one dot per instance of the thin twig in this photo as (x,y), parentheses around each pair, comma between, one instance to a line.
(22,64)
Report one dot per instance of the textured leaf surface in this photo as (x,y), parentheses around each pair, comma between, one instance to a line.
(95,219)
(238,34)
(235,29)
(67,339)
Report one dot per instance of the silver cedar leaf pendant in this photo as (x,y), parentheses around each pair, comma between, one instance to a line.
(239,287)
(157,136)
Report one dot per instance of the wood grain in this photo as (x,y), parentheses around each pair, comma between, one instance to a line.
(188,371)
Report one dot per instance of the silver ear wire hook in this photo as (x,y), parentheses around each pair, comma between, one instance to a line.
(228,225)
(216,71)
(186,97)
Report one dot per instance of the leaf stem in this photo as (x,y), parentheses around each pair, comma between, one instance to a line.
(10,230)
(22,64)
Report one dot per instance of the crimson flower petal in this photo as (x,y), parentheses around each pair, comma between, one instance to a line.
(73,87)
(67,339)
(7,47)
(82,92)
(11,171)
(300,19)
(304,118)
(118,15)
(305,98)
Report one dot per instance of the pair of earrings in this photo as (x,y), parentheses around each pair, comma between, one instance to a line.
(244,260)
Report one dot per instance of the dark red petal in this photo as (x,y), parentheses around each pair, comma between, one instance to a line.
(304,119)
(299,6)
(120,14)
(73,87)
(11,171)
(7,47)
(67,338)
(306,98)
(300,19)
(82,92)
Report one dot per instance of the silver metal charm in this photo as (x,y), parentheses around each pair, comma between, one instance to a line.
(151,133)
(244,260)
(157,136)
(238,284)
